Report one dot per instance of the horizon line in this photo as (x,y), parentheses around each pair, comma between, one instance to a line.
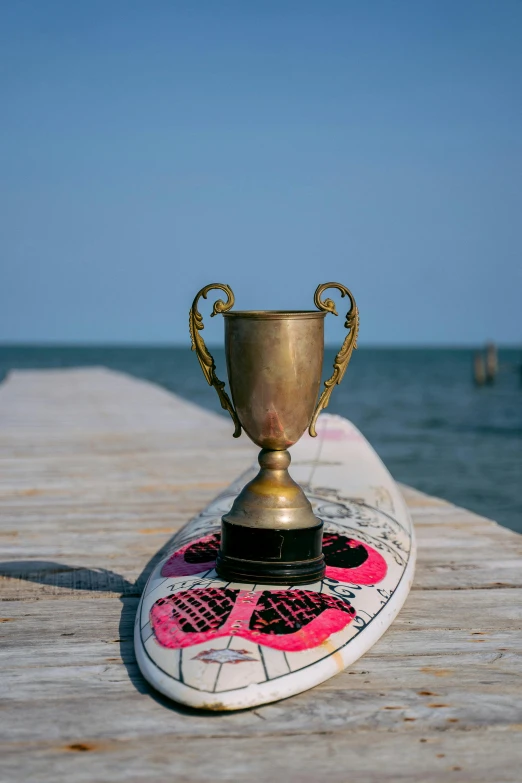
(214,346)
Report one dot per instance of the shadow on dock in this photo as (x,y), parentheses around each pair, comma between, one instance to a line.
(101,580)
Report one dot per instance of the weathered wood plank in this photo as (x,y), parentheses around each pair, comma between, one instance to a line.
(97,470)
(418,757)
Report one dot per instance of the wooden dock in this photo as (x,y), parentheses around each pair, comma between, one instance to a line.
(97,471)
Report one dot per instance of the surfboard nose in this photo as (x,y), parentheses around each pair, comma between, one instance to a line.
(224,645)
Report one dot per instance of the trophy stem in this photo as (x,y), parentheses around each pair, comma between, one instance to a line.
(271,535)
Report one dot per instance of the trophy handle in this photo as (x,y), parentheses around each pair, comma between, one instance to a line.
(204,357)
(344,355)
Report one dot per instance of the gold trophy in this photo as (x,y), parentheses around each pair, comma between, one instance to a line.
(274,362)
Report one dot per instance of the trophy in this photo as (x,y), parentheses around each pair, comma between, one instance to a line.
(274,364)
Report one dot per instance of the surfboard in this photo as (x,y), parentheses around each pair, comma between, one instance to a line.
(218,645)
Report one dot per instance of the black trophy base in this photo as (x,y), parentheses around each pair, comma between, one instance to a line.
(268,556)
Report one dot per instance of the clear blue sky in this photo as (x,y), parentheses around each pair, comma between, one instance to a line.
(148,148)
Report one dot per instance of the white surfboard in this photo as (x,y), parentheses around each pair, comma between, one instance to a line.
(221,645)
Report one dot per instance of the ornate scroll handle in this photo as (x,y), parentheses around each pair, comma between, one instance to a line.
(204,357)
(344,355)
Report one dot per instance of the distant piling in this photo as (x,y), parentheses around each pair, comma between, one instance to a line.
(479,369)
(491,362)
(485,365)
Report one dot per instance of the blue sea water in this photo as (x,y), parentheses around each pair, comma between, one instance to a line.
(420,409)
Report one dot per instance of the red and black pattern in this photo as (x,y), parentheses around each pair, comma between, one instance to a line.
(347,559)
(203,550)
(194,612)
(342,552)
(287,611)
(193,558)
(289,620)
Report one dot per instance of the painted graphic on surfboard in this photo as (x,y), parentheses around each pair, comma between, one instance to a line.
(222,645)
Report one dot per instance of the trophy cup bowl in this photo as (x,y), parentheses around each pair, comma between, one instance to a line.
(274,364)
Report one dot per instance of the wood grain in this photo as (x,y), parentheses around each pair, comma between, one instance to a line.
(97,471)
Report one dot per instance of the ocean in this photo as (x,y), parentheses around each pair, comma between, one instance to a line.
(419,408)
